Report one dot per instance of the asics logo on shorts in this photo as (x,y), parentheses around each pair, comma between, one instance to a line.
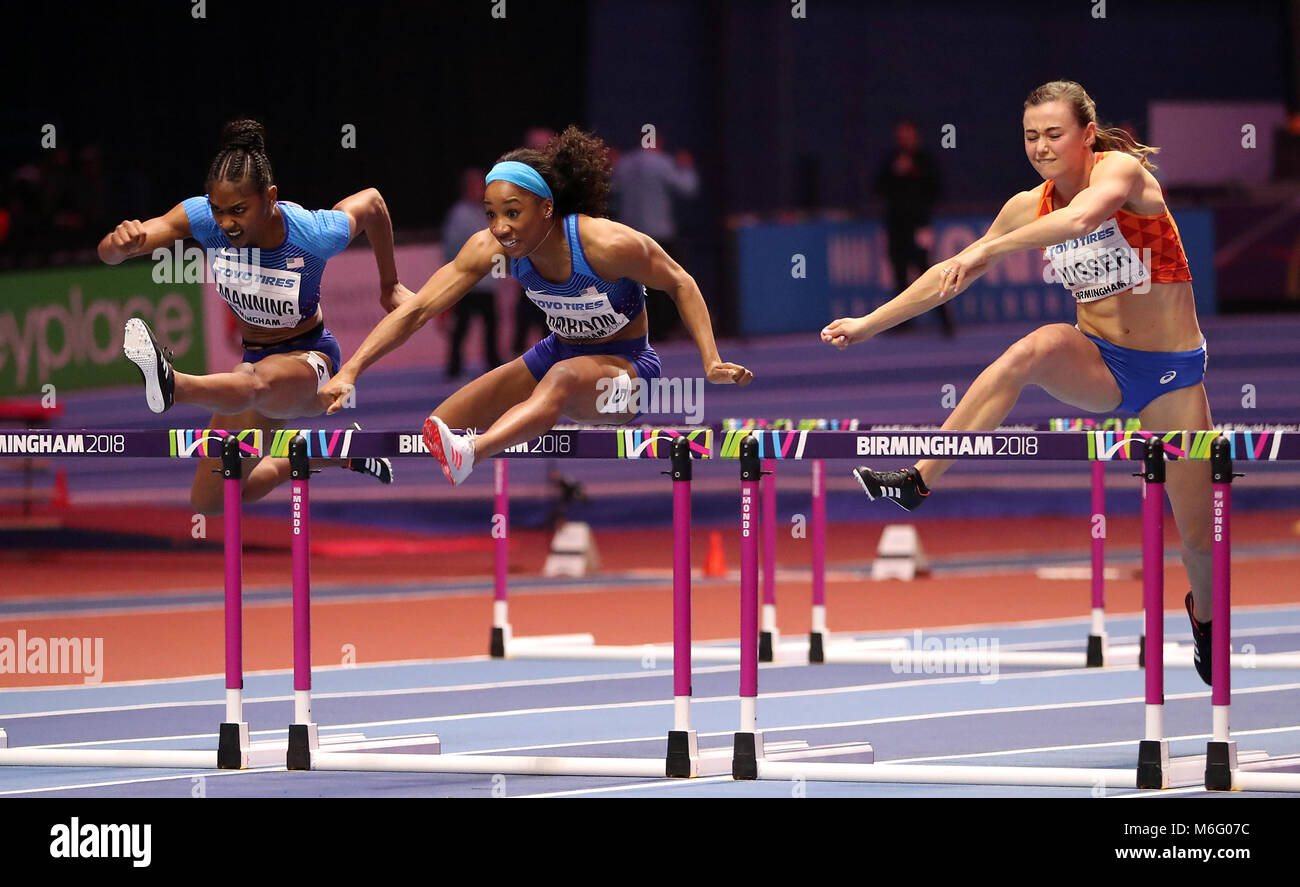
(1168,377)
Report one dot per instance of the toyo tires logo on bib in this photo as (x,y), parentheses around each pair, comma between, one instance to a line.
(589,315)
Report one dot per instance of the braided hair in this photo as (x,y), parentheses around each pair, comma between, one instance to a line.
(576,165)
(242,156)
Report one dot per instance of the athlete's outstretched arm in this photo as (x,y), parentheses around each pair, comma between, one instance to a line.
(444,289)
(1108,189)
(136,238)
(616,250)
(367,212)
(934,287)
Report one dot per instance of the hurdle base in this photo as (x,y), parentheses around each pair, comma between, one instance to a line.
(816,647)
(766,642)
(304,739)
(683,754)
(1096,656)
(1220,761)
(1142,651)
(746,752)
(497,645)
(1153,764)
(233,746)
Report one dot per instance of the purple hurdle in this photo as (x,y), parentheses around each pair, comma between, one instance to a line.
(1153,751)
(500,556)
(232,736)
(303,736)
(748,745)
(769,636)
(818,636)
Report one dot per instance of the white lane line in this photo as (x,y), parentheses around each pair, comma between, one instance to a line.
(1082,745)
(678,783)
(1129,700)
(345,694)
(206,774)
(615,706)
(674,783)
(268,672)
(787,694)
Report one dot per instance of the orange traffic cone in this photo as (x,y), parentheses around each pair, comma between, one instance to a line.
(715,564)
(60,497)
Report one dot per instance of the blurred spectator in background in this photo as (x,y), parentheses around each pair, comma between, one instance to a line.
(645,182)
(49,207)
(909,183)
(464,220)
(529,317)
(537,137)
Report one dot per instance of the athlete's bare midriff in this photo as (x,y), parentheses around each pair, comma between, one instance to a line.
(1161,319)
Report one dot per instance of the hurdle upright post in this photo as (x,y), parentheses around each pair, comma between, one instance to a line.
(232,737)
(1221,751)
(500,557)
(1096,657)
(683,742)
(303,734)
(748,745)
(769,636)
(1153,750)
(818,636)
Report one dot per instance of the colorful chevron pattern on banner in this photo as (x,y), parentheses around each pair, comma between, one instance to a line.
(1251,445)
(334,444)
(771,444)
(205,443)
(657,442)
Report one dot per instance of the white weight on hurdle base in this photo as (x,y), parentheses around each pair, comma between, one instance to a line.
(573,551)
(900,554)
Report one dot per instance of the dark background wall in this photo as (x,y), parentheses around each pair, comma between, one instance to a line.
(431,88)
(799,110)
(779,112)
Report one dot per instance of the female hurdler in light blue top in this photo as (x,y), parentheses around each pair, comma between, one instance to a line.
(266,260)
(586,272)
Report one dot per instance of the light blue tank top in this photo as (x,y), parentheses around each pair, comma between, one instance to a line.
(272,288)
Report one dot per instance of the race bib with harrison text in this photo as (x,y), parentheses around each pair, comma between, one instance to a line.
(588,315)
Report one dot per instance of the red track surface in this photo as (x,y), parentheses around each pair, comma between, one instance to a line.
(173,643)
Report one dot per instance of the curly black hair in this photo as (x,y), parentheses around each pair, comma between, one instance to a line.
(575,164)
(242,155)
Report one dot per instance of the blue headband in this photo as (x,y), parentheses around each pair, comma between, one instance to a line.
(520,174)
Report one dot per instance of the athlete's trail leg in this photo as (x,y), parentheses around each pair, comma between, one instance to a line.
(1188,486)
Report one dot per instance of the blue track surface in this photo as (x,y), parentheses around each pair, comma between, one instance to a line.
(1020,716)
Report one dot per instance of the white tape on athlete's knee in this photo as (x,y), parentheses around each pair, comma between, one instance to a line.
(321,366)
